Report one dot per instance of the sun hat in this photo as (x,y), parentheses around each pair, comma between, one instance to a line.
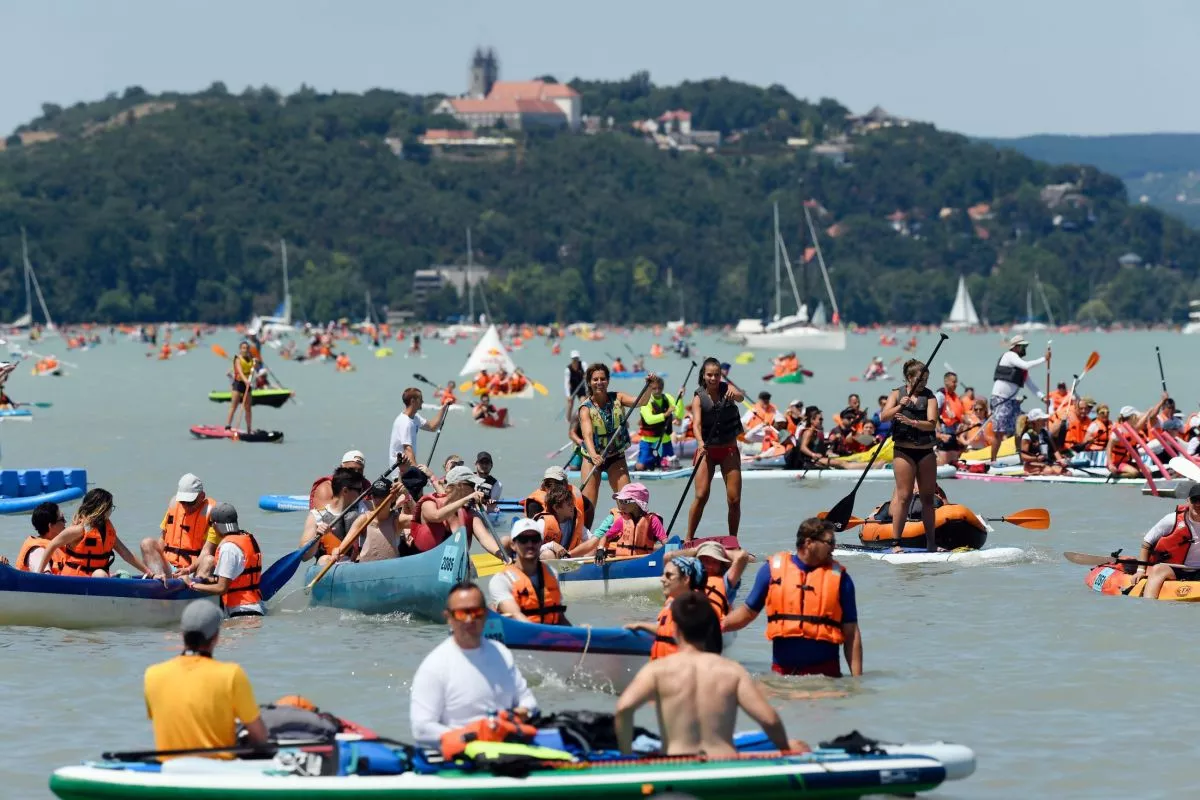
(636,493)
(1018,341)
(1036,415)
(555,474)
(1128,411)
(712,550)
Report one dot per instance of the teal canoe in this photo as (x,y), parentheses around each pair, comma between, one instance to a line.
(414,584)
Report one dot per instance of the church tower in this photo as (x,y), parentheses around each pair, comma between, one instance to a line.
(485,69)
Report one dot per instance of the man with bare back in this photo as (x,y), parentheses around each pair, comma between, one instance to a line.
(697,692)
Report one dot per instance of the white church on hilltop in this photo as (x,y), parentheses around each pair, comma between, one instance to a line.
(518,104)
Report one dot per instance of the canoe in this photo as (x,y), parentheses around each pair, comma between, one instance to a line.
(604,658)
(272,398)
(219,432)
(582,579)
(524,394)
(16,414)
(62,601)
(639,375)
(766,776)
(414,584)
(1113,579)
(964,556)
(68,602)
(955,527)
(885,474)
(791,377)
(23,490)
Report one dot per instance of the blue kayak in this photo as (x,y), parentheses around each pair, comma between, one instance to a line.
(616,576)
(23,490)
(414,584)
(16,413)
(640,375)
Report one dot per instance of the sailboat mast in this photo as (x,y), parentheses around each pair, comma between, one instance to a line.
(1045,303)
(283,251)
(778,294)
(470,287)
(28,290)
(837,316)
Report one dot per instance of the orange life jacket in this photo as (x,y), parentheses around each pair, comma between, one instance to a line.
(539,497)
(552,531)
(243,590)
(635,538)
(94,551)
(952,409)
(1121,453)
(517,383)
(664,638)
(445,394)
(501,727)
(185,532)
(804,603)
(481,381)
(1173,548)
(547,609)
(1103,430)
(714,589)
(30,544)
(1077,427)
(763,416)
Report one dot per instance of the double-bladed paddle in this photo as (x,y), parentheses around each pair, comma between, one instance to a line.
(841,513)
(1089,560)
(1036,519)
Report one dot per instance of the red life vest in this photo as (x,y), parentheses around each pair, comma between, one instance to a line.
(1173,548)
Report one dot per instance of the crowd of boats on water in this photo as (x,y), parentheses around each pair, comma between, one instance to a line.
(440,539)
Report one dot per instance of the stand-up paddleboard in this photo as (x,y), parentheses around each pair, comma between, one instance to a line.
(218,432)
(915,556)
(271,398)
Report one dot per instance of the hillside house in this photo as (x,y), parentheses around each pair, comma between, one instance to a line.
(519,105)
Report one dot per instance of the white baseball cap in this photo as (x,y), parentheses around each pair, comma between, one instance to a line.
(555,473)
(1129,411)
(354,455)
(189,489)
(526,525)
(575,354)
(1036,415)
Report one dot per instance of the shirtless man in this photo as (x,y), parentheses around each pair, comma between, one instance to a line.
(698,693)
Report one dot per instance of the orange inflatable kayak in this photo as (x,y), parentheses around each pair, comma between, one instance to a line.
(955,526)
(1113,579)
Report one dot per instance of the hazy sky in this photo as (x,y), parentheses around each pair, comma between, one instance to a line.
(1002,67)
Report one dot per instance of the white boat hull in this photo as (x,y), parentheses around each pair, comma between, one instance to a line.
(48,610)
(801,338)
(987,555)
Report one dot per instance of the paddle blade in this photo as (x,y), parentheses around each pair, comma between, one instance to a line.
(1186,468)
(1092,361)
(42,405)
(220,351)
(540,389)
(279,573)
(1037,519)
(841,514)
(465,385)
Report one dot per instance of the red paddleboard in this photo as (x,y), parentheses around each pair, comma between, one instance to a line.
(218,432)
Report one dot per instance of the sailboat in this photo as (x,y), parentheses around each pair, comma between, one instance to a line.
(469,326)
(1193,325)
(1030,323)
(962,314)
(280,322)
(794,331)
(489,354)
(21,327)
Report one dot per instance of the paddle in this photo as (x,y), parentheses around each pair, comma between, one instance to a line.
(613,437)
(1036,519)
(219,351)
(1161,375)
(487,523)
(1089,560)
(36,405)
(552,454)
(316,539)
(347,541)
(840,514)
(265,749)
(1092,361)
(279,573)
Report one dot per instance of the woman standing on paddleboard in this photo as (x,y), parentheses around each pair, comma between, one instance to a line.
(602,419)
(913,412)
(245,365)
(716,423)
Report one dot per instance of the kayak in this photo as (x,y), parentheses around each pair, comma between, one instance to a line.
(497,420)
(272,398)
(1113,579)
(954,526)
(885,474)
(23,490)
(299,502)
(791,377)
(16,414)
(375,769)
(218,432)
(582,578)
(965,556)
(1007,454)
(415,584)
(640,375)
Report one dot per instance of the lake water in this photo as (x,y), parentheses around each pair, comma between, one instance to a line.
(1060,691)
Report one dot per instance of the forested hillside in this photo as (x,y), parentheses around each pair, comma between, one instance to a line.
(171,207)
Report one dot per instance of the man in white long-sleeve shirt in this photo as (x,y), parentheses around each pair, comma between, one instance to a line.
(466,677)
(1011,374)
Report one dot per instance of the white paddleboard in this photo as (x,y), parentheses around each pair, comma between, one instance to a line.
(986,555)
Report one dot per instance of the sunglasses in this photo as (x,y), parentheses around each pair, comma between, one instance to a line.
(831,541)
(527,540)
(468,614)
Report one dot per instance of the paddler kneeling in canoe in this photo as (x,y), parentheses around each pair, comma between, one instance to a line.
(528,590)
(698,691)
(1174,539)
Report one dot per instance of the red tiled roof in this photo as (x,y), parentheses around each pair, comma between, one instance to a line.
(678,114)
(530,90)
(503,105)
(446,133)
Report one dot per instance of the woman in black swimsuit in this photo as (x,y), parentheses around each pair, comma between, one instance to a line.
(913,412)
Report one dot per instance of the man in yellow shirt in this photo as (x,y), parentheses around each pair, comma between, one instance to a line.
(194,701)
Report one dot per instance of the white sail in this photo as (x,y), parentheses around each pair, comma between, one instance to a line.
(489,354)
(819,318)
(962,314)
(24,321)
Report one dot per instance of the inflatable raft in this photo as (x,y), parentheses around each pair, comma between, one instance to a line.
(955,526)
(272,398)
(582,578)
(374,769)
(1114,579)
(23,490)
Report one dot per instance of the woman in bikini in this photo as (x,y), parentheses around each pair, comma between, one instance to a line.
(602,418)
(716,423)
(245,365)
(913,412)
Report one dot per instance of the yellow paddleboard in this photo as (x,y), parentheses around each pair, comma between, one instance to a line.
(1007,448)
(885,455)
(383,352)
(744,358)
